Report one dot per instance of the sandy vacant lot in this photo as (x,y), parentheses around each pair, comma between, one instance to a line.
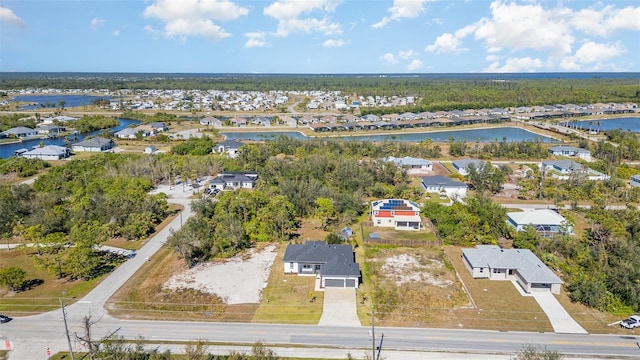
(238,280)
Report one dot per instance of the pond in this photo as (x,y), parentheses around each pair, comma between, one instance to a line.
(53,101)
(510,134)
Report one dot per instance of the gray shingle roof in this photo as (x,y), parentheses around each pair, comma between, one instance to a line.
(439,180)
(336,260)
(524,261)
(94,142)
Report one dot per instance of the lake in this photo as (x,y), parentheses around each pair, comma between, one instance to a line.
(483,135)
(49,101)
(7,150)
(626,123)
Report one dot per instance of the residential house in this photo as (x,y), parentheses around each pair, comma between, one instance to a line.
(410,163)
(462,165)
(127,133)
(453,189)
(397,213)
(333,264)
(95,144)
(635,180)
(569,169)
(20,132)
(545,221)
(521,265)
(231,180)
(230,147)
(158,126)
(48,152)
(211,121)
(571,151)
(57,119)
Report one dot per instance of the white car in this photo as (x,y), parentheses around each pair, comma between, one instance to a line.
(631,323)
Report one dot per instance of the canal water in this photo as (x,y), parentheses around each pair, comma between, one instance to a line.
(45,102)
(7,150)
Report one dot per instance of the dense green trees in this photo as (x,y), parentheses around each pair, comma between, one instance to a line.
(194,146)
(486,177)
(12,277)
(21,166)
(481,221)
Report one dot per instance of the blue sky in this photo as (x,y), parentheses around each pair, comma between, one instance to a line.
(319,36)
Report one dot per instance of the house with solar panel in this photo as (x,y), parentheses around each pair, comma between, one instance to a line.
(521,265)
(396,213)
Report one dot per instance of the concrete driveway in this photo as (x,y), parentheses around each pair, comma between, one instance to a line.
(339,308)
(561,321)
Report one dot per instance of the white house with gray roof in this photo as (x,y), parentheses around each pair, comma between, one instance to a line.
(441,184)
(462,165)
(410,163)
(521,265)
(231,180)
(20,132)
(230,147)
(570,151)
(545,221)
(564,169)
(48,152)
(333,264)
(95,144)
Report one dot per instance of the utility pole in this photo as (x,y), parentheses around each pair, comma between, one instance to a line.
(373,335)
(66,328)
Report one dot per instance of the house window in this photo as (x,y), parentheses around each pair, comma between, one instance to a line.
(306,266)
(496,271)
(481,269)
(378,222)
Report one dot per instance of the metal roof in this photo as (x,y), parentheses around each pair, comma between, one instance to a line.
(443,181)
(537,217)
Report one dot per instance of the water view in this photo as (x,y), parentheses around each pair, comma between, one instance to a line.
(53,101)
(7,150)
(627,123)
(510,134)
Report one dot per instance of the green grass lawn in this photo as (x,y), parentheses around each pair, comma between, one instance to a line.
(288,297)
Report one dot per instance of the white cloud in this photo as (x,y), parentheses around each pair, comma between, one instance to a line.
(406,55)
(7,16)
(525,64)
(401,9)
(155,33)
(448,43)
(95,22)
(605,20)
(389,58)
(116,33)
(333,43)
(529,26)
(590,56)
(415,65)
(186,18)
(289,12)
(256,39)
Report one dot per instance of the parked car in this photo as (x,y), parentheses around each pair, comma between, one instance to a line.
(4,319)
(631,323)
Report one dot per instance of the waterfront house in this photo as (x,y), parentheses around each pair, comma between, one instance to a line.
(127,133)
(20,132)
(95,144)
(48,152)
(521,265)
(332,264)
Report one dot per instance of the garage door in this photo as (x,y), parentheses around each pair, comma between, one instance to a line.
(334,282)
(351,283)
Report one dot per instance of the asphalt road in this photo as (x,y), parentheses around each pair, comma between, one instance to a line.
(33,335)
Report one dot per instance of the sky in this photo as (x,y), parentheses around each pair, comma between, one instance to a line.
(319,36)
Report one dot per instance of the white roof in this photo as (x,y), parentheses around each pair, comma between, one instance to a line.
(537,217)
(47,151)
